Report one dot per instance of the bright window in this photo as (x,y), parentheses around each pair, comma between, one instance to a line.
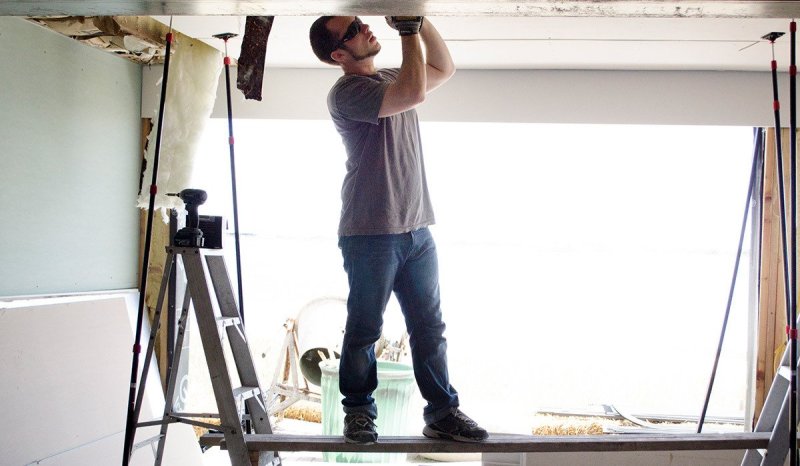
(580,264)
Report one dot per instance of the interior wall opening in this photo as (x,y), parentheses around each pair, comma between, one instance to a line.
(580,265)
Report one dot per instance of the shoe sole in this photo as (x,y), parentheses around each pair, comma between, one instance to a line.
(435,434)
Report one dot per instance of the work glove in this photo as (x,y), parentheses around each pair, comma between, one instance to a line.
(406,25)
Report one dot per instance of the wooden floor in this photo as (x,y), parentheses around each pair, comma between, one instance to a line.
(506,443)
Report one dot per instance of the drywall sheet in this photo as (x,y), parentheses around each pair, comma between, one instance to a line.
(71,156)
(65,374)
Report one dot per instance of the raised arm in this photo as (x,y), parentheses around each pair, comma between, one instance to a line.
(438,62)
(408,90)
(419,74)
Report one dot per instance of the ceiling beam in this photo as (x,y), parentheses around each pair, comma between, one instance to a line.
(540,8)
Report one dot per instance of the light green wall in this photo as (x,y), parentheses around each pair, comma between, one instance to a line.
(70,162)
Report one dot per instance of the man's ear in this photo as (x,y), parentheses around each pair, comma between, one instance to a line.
(338,55)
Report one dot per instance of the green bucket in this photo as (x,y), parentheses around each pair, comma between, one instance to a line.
(393,397)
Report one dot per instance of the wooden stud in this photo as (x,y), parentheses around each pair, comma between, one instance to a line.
(155,267)
(772,306)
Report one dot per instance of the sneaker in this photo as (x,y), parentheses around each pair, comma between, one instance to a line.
(456,426)
(359,428)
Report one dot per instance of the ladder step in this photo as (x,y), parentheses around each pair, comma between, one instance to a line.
(228,321)
(244,393)
(785,372)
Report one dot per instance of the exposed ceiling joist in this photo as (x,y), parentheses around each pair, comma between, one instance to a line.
(534,8)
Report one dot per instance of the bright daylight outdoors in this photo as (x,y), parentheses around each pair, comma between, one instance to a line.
(580,265)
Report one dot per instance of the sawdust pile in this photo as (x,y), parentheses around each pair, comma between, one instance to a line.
(569,425)
(201,431)
(308,413)
(591,428)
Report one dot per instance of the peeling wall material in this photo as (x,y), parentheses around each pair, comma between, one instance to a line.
(252,58)
(139,39)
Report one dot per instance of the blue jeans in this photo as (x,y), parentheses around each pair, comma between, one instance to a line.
(376,266)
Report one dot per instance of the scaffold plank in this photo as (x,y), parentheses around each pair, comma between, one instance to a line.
(506,443)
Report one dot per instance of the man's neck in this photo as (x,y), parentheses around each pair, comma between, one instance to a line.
(361,68)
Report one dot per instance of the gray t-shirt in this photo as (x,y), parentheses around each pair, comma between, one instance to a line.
(384,190)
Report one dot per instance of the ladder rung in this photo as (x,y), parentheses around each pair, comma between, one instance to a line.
(155,423)
(228,321)
(148,441)
(207,425)
(785,372)
(245,393)
(196,415)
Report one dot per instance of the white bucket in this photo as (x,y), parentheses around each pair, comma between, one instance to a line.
(320,328)
(396,386)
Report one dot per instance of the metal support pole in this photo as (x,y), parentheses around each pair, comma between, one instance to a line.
(781,181)
(793,193)
(130,425)
(227,61)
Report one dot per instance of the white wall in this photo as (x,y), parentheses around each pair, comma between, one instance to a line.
(70,153)
(537,96)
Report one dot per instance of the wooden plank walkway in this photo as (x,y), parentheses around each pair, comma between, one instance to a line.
(505,443)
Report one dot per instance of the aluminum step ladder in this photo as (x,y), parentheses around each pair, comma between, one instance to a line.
(775,419)
(206,270)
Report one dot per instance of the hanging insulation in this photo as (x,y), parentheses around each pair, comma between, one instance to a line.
(191,92)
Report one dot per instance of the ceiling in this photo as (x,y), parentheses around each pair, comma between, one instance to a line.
(494,34)
(498,42)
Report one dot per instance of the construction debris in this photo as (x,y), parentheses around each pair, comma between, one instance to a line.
(304,411)
(572,425)
(252,58)
(200,431)
(140,39)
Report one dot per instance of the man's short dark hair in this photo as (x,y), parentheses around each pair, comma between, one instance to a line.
(323,43)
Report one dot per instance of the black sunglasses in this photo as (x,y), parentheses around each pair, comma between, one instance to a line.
(352,31)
